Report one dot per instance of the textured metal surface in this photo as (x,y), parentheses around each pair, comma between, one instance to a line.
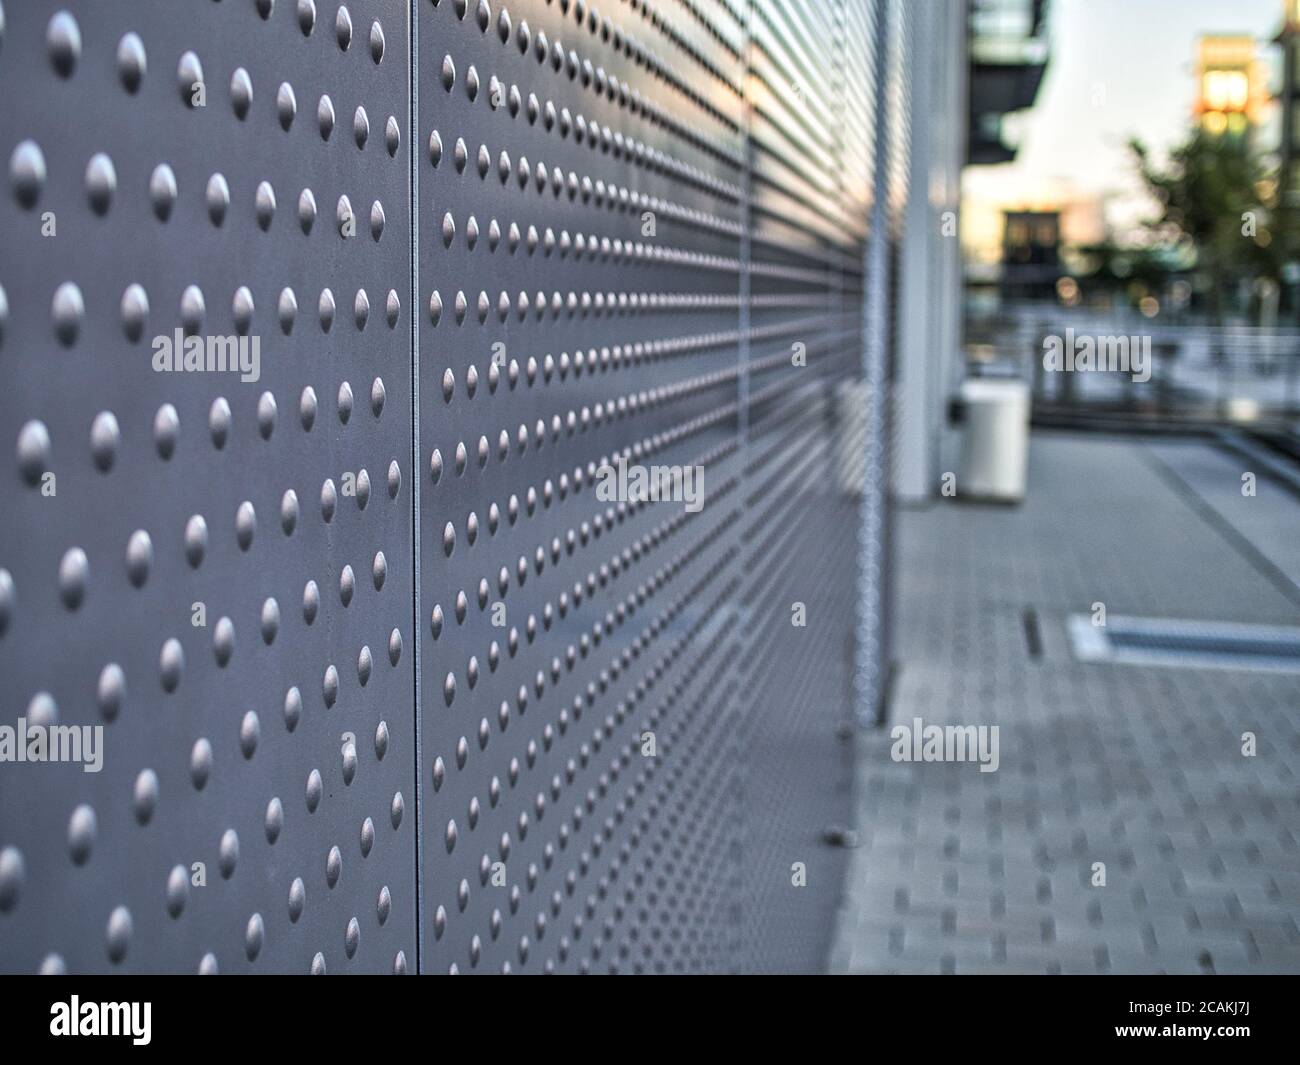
(632,231)
(793,693)
(609,340)
(868,678)
(241,759)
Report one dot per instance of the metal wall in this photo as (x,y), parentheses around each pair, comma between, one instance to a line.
(372,658)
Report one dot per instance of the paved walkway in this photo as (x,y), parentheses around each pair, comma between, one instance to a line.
(1136,767)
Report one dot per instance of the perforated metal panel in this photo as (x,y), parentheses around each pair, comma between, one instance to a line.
(452,708)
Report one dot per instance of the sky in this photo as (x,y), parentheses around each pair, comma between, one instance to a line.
(1119,68)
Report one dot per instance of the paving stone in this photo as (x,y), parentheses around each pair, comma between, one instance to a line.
(1138,767)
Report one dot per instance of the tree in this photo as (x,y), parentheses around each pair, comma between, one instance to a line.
(1216,199)
(1109,265)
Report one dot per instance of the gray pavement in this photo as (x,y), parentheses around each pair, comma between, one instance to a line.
(1136,767)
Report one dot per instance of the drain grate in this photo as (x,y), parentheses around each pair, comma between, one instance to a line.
(1194,644)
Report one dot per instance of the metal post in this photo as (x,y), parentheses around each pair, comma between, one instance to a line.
(869,668)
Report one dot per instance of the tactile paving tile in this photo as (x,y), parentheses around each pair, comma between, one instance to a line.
(1137,767)
(451,710)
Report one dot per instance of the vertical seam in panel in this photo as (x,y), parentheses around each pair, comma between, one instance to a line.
(874,337)
(413,99)
(746,243)
(743,960)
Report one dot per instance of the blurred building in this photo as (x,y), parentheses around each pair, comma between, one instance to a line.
(1231,85)
(1001,47)
(987,60)
(1008,58)
(1031,254)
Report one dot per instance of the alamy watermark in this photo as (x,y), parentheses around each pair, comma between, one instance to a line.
(1106,354)
(77,1018)
(654,484)
(919,742)
(26,742)
(212,354)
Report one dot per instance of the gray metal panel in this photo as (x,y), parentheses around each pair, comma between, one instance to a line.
(609,339)
(98,850)
(639,232)
(654,620)
(794,693)
(889,60)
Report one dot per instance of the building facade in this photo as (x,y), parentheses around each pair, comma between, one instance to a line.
(380,680)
